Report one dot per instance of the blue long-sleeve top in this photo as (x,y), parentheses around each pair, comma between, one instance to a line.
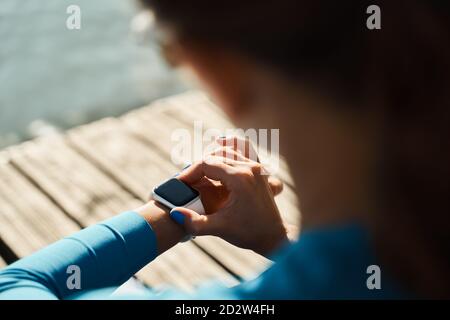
(327,263)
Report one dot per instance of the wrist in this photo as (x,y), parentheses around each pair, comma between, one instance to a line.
(167,232)
(275,240)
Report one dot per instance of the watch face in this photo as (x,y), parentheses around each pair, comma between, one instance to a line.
(176,192)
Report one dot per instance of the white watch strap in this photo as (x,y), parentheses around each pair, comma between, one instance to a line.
(196,206)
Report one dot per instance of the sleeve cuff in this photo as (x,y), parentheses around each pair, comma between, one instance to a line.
(137,236)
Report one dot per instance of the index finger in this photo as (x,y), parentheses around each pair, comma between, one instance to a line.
(212,168)
(240,144)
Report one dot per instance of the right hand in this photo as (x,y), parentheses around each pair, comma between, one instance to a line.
(249,217)
(213,193)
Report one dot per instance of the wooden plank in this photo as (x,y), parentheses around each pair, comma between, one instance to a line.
(134,163)
(191,263)
(196,106)
(68,179)
(119,153)
(89,196)
(28,219)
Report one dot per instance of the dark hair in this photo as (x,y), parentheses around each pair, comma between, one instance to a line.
(403,68)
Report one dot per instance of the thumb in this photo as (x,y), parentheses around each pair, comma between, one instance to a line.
(194,223)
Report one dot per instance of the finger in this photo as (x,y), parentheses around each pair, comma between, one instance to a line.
(212,167)
(240,144)
(255,167)
(229,153)
(276,185)
(197,224)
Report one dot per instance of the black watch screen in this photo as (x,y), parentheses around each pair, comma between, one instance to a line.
(176,192)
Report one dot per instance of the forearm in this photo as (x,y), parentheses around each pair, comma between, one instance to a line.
(106,254)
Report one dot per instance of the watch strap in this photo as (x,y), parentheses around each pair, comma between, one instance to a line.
(196,206)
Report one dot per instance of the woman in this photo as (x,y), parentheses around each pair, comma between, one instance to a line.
(363,118)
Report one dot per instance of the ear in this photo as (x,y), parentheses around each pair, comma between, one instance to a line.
(226,75)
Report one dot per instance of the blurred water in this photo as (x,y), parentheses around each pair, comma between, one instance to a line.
(68,77)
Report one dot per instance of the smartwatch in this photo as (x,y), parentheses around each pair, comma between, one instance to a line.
(175,193)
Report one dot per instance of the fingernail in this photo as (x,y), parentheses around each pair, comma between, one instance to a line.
(177,216)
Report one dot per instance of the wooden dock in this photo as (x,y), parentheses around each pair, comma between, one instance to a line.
(52,186)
